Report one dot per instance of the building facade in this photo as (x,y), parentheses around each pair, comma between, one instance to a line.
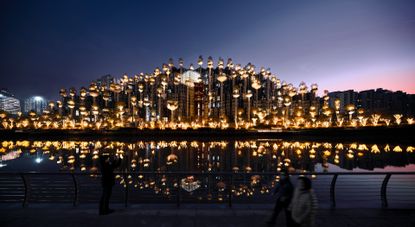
(376,101)
(9,103)
(35,103)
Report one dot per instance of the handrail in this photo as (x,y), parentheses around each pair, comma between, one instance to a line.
(333,191)
(26,176)
(213,173)
(26,190)
(383,190)
(76,191)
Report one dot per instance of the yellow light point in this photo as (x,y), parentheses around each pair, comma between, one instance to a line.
(350,154)
(398,118)
(298,151)
(353,146)
(397,149)
(5,144)
(275,147)
(387,121)
(20,143)
(339,146)
(286,144)
(387,148)
(195,144)
(375,149)
(327,153)
(362,147)
(410,149)
(336,158)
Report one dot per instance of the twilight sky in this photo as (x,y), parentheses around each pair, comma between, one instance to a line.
(46,45)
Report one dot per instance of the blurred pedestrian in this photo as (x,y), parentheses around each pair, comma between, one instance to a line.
(284,192)
(303,204)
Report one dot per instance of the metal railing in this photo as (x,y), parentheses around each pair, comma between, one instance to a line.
(350,188)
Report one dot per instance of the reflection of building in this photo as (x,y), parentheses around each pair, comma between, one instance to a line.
(222,156)
(35,103)
(9,103)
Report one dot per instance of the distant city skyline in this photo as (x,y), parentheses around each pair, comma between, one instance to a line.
(339,45)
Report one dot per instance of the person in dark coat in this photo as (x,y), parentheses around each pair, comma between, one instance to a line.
(284,193)
(108,165)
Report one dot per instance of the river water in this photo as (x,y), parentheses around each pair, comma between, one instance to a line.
(215,170)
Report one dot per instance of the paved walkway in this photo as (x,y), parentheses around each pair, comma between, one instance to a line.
(189,215)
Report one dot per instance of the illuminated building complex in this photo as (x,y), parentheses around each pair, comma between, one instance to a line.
(222,95)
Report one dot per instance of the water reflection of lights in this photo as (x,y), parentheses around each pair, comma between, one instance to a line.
(10,155)
(189,183)
(231,156)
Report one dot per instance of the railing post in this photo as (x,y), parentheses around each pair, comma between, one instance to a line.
(178,190)
(76,190)
(26,189)
(230,190)
(383,197)
(126,190)
(333,191)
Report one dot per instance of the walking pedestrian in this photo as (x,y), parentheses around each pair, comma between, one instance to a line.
(303,204)
(284,192)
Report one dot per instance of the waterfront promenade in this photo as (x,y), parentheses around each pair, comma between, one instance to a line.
(190,215)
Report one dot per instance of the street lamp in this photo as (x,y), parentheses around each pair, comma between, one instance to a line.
(256,85)
(248,96)
(221,78)
(350,110)
(172,106)
(236,95)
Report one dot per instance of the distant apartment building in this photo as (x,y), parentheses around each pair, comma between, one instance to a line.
(387,102)
(105,81)
(345,97)
(35,103)
(9,103)
(376,101)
